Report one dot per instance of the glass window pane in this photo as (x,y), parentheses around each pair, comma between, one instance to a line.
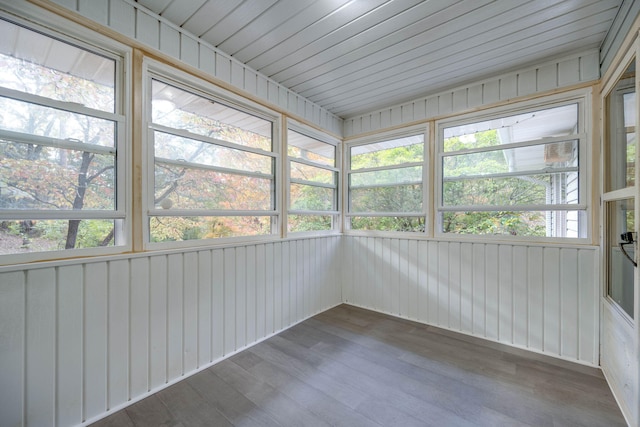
(307,197)
(33,63)
(557,188)
(400,198)
(174,228)
(28,236)
(621,119)
(189,188)
(388,153)
(311,173)
(40,177)
(299,223)
(32,119)
(621,246)
(303,147)
(179,109)
(404,224)
(533,223)
(530,126)
(389,176)
(529,158)
(173,147)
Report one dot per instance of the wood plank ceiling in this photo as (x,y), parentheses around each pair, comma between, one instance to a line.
(356,56)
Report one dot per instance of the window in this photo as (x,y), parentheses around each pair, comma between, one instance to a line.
(313,183)
(385,185)
(213,167)
(62,170)
(514,175)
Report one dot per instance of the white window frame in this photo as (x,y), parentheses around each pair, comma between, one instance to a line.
(581,97)
(155,70)
(310,132)
(422,129)
(83,38)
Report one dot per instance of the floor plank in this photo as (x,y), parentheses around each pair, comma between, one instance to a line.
(353,367)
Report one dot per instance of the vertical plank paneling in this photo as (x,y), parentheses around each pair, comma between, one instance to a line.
(403,276)
(492,298)
(69,345)
(434,287)
(294,258)
(260,291)
(169,40)
(309,276)
(423,281)
(189,50)
(520,295)
(466,287)
(505,293)
(147,29)
(175,315)
(269,314)
(394,274)
(139,335)
(190,312)
(118,330)
(241,297)
(588,312)
(251,294)
(158,321)
(229,309)
(40,337)
(551,289)
(378,269)
(479,290)
(454,286)
(96,11)
(302,255)
(205,313)
(13,355)
(285,260)
(443,284)
(412,310)
(95,339)
(535,297)
(217,304)
(122,17)
(569,303)
(277,286)
(386,275)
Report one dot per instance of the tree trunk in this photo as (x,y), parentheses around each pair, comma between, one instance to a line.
(78,201)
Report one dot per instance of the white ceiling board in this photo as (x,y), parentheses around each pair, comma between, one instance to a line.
(356,56)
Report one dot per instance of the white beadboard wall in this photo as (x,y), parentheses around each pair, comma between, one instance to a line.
(78,339)
(540,298)
(579,68)
(136,22)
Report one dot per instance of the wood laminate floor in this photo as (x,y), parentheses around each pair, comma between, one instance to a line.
(353,367)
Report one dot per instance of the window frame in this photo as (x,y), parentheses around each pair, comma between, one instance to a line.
(415,130)
(154,70)
(335,214)
(85,39)
(581,97)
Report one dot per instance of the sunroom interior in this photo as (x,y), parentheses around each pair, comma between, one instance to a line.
(182,180)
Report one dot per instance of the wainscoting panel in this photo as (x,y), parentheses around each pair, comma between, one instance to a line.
(79,339)
(541,298)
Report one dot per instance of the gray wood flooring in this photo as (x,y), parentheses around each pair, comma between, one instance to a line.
(353,367)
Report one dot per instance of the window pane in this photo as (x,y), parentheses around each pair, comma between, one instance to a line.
(307,197)
(303,147)
(27,236)
(557,188)
(400,198)
(388,176)
(298,223)
(530,158)
(531,126)
(173,229)
(32,119)
(183,149)
(33,63)
(621,118)
(38,177)
(406,224)
(179,109)
(311,173)
(388,153)
(621,220)
(189,188)
(535,223)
